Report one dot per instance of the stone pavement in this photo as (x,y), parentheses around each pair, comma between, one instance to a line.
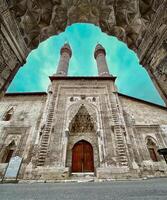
(153,189)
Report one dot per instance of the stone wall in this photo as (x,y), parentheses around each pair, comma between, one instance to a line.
(144,113)
(23,126)
(145,120)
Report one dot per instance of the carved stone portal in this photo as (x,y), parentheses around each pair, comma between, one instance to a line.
(82,122)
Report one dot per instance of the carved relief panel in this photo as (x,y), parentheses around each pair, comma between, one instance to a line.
(86,103)
(18,135)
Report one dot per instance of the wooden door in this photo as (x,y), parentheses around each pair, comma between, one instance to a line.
(82,157)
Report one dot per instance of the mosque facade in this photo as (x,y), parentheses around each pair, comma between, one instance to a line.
(82,126)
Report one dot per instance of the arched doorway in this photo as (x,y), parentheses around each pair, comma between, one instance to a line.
(8,152)
(152,149)
(82,157)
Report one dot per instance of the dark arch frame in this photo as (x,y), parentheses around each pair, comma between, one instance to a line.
(23,25)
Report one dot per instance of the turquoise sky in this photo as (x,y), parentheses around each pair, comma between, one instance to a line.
(132,79)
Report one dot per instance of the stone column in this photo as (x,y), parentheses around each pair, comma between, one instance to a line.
(99,55)
(66,54)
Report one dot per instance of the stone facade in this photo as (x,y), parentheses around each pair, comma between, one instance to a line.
(124,133)
(116,126)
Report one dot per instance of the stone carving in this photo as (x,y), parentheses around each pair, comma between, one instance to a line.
(18,135)
(13,30)
(82,122)
(7,57)
(83,11)
(39,19)
(135,22)
(8,61)
(74,109)
(57,22)
(161,70)
(158,56)
(154,29)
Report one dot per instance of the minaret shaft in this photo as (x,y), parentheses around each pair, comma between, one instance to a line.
(63,65)
(101,61)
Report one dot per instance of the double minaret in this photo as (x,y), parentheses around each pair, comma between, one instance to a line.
(99,54)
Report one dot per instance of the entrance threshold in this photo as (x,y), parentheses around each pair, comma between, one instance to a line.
(83,174)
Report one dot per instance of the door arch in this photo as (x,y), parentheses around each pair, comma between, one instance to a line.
(82,157)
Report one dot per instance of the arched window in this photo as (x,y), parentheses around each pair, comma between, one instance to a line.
(8,152)
(8,115)
(152,150)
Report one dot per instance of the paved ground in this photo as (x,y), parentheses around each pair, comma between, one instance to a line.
(153,189)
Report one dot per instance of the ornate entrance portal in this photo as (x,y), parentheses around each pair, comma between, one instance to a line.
(82,157)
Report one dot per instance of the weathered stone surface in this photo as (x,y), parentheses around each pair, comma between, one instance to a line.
(126,20)
(23,125)
(47,173)
(2,169)
(95,122)
(8,60)
(143,113)
(45,130)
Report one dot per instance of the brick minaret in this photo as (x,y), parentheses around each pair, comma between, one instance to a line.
(66,54)
(99,55)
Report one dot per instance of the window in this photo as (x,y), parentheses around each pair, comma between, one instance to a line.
(152,150)
(7,156)
(8,115)
(8,153)
(153,154)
